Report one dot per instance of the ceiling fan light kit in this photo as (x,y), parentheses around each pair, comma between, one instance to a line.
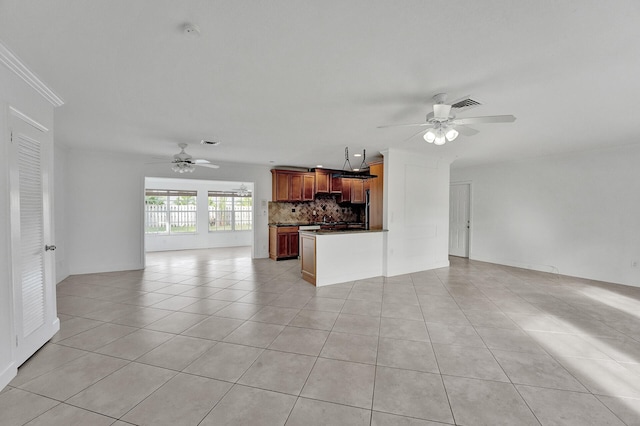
(183,167)
(243,191)
(185,163)
(442,122)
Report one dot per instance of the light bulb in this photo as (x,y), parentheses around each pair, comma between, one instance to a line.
(451,134)
(429,136)
(440,139)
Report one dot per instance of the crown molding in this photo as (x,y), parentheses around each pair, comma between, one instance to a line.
(11,61)
(24,117)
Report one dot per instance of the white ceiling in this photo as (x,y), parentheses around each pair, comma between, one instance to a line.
(294,82)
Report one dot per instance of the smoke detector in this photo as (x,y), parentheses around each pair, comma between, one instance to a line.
(191,30)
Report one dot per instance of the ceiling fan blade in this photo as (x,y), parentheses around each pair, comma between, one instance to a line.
(414,135)
(200,161)
(486,119)
(465,130)
(404,125)
(211,166)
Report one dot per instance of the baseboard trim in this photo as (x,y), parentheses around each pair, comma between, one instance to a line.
(106,268)
(550,269)
(420,268)
(8,374)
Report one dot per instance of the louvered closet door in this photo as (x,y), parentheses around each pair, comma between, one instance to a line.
(32,266)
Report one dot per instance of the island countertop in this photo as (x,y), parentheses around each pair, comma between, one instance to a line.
(340,231)
(334,256)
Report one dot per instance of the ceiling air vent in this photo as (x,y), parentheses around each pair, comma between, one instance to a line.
(465,104)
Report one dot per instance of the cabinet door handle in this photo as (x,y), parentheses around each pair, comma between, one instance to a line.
(49,247)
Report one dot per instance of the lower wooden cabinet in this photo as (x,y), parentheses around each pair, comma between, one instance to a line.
(283,242)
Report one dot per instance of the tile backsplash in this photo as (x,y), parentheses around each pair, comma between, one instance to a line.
(280,212)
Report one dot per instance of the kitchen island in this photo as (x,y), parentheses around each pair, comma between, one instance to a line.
(335,256)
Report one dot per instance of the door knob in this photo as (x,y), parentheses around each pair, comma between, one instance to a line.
(51,247)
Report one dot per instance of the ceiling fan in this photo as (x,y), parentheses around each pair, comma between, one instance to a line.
(184,163)
(243,191)
(441,124)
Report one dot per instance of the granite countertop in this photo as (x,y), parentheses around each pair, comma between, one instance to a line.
(317,223)
(341,231)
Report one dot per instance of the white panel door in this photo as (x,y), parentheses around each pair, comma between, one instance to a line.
(459,217)
(31,247)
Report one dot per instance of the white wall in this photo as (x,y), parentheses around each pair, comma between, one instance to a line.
(13,92)
(103,235)
(575,214)
(416,204)
(60,166)
(102,238)
(202,238)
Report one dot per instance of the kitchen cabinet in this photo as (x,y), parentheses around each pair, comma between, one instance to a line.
(352,191)
(335,186)
(323,181)
(308,186)
(326,183)
(281,185)
(375,195)
(291,185)
(357,191)
(283,242)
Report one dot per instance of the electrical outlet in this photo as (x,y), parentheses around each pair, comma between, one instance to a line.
(634,264)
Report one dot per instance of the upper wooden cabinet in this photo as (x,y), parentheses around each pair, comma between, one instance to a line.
(352,191)
(281,185)
(323,181)
(375,195)
(326,183)
(291,185)
(308,186)
(357,191)
(296,187)
(335,185)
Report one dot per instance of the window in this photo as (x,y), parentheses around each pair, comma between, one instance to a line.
(170,212)
(229,211)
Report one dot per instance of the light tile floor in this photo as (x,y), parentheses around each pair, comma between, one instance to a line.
(213,337)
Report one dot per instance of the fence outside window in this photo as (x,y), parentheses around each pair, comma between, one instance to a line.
(229,211)
(170,212)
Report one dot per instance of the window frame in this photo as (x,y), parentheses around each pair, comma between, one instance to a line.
(233,198)
(169,196)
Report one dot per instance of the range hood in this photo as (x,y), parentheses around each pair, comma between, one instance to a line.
(351,173)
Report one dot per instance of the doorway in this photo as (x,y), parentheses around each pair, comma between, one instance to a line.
(185,214)
(459,219)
